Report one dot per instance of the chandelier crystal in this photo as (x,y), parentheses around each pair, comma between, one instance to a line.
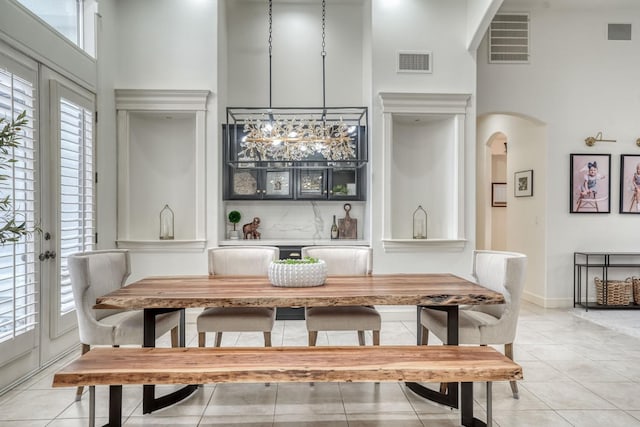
(297,139)
(301,137)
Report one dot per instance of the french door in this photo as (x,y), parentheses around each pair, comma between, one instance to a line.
(52,187)
(68,197)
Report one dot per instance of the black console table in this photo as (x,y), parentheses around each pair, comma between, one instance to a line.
(601,262)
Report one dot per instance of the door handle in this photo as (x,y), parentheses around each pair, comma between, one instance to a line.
(47,255)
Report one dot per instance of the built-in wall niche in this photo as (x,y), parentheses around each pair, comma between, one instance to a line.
(423,165)
(161,140)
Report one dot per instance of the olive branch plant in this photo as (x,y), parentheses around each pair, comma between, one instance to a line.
(11,228)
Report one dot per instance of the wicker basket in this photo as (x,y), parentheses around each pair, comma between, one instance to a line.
(636,289)
(618,292)
(297,275)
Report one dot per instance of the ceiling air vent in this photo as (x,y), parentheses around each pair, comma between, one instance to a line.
(414,62)
(509,38)
(619,32)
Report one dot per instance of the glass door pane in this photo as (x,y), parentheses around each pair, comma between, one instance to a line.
(19,286)
(312,184)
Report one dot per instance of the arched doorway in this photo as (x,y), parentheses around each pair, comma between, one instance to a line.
(496,235)
(521,225)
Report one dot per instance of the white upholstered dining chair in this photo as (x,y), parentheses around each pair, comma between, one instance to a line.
(245,261)
(490,324)
(97,273)
(343,260)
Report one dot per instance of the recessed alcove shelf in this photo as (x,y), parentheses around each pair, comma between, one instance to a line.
(423,145)
(161,144)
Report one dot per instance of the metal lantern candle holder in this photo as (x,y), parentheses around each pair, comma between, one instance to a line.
(420,223)
(166,223)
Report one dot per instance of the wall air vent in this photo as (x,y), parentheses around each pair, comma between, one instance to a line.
(619,32)
(415,62)
(509,38)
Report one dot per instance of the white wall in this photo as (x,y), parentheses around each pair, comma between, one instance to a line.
(161,44)
(479,16)
(578,83)
(423,155)
(296,54)
(439,27)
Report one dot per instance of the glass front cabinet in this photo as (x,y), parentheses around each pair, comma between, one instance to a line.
(252,184)
(341,183)
(247,178)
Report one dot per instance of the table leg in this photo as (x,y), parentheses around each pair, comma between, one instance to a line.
(149,401)
(450,398)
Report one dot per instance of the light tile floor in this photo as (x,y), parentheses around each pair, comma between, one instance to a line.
(577,373)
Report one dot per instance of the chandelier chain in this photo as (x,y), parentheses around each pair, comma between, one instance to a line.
(324,16)
(270,25)
(270,45)
(324,54)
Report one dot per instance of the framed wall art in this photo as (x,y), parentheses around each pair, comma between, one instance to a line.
(498,194)
(523,183)
(630,183)
(590,183)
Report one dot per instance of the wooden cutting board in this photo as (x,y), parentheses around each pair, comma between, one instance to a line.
(347,226)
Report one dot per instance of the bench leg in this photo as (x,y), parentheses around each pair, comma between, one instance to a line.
(489,405)
(115,406)
(466,406)
(92,406)
(361,339)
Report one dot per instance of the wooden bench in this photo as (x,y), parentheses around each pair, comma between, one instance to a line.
(118,366)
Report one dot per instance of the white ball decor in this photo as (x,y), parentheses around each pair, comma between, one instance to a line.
(298,272)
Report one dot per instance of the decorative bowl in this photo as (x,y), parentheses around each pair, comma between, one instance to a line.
(298,275)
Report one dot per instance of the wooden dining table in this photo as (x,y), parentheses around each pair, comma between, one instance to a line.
(444,291)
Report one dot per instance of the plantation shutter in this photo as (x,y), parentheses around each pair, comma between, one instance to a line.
(77,201)
(18,285)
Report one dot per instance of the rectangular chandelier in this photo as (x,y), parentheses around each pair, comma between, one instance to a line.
(296,137)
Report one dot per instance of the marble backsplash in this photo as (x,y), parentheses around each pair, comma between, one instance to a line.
(295,220)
